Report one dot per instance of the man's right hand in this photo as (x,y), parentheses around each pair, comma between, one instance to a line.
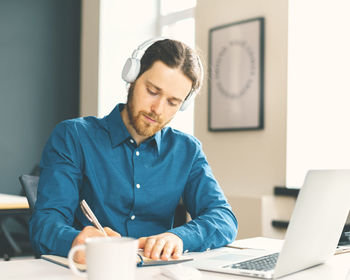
(89,231)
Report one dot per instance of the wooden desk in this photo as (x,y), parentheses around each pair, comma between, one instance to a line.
(336,268)
(9,202)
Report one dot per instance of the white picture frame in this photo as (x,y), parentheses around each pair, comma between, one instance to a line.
(236,76)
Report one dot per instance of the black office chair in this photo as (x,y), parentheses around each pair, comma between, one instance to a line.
(30,186)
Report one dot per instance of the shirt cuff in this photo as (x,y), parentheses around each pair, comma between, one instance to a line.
(186,236)
(65,240)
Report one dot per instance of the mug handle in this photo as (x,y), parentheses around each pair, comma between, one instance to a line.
(71,262)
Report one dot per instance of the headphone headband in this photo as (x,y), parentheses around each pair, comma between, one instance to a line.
(144,46)
(132,69)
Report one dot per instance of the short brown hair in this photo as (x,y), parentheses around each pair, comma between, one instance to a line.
(174,54)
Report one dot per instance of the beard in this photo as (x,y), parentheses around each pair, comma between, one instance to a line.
(137,119)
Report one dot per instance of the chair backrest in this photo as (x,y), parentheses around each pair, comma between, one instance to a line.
(30,186)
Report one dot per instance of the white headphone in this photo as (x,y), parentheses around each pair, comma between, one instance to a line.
(132,68)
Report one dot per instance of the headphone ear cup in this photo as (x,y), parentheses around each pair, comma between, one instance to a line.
(131,70)
(188,101)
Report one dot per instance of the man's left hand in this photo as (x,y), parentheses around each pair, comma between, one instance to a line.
(162,246)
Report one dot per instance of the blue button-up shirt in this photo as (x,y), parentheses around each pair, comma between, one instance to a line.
(132,189)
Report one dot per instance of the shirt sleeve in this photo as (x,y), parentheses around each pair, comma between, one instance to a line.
(50,227)
(213,223)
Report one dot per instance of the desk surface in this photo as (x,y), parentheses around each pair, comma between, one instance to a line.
(336,268)
(8,201)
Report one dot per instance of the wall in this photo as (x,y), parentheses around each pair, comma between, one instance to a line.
(39,79)
(318,87)
(89,57)
(251,162)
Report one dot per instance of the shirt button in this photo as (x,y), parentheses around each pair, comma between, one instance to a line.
(132,141)
(132,217)
(138,186)
(137,153)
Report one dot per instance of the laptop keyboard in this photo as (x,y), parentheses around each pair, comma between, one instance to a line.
(264,263)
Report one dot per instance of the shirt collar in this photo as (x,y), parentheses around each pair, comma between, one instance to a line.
(118,131)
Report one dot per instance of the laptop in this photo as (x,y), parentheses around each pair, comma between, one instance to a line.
(312,236)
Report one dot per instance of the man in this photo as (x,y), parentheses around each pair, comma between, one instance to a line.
(132,170)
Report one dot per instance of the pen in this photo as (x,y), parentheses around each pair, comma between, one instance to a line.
(90,216)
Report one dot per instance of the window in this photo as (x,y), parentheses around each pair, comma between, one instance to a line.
(176,21)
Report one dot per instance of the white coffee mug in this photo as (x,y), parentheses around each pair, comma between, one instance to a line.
(107,258)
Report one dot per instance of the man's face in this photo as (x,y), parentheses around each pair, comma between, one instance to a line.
(155,98)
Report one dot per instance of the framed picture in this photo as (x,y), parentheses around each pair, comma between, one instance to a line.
(236,76)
